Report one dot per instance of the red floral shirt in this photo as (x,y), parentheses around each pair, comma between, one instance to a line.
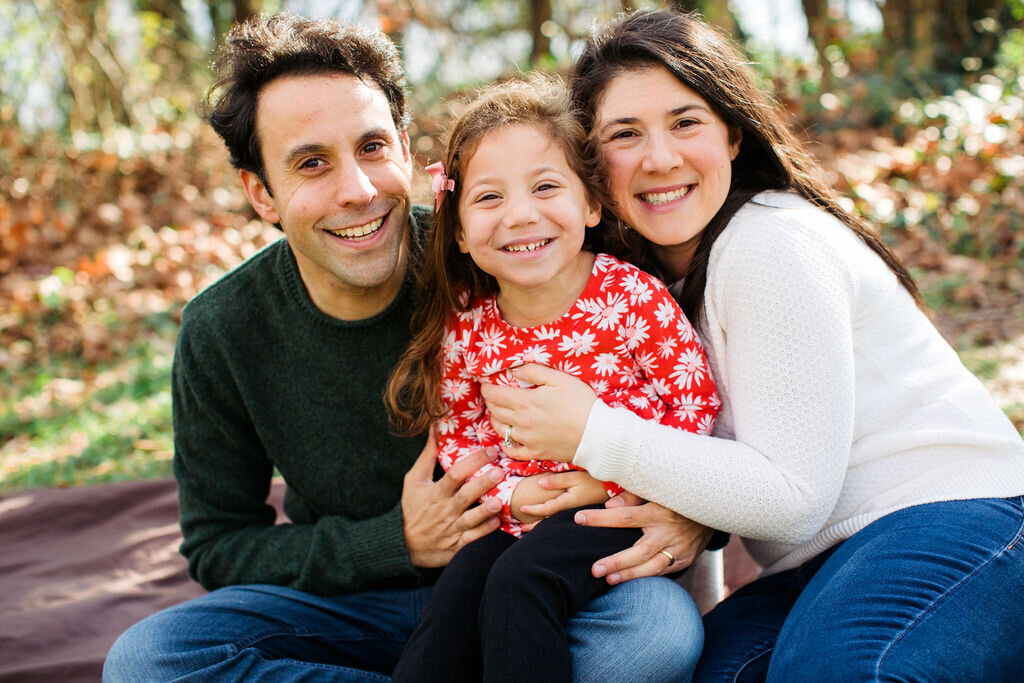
(625,336)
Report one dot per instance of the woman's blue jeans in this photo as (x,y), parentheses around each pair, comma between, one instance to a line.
(928,593)
(642,630)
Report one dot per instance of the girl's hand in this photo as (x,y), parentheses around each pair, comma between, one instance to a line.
(529,493)
(564,490)
(547,420)
(663,529)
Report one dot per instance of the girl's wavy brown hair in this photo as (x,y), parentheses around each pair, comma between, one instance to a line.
(449,279)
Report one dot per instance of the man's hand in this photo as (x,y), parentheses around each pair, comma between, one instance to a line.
(682,538)
(542,495)
(437,516)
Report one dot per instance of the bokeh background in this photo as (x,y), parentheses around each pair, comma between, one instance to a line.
(117,204)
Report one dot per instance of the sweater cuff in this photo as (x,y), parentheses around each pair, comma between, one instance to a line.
(382,555)
(610,443)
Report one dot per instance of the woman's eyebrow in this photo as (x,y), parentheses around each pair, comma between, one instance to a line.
(630,120)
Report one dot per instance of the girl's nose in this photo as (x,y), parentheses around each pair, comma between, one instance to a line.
(521,212)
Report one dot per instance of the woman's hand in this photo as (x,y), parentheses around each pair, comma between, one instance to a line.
(664,530)
(547,420)
(542,495)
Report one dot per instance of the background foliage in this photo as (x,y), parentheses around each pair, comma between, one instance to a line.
(117,204)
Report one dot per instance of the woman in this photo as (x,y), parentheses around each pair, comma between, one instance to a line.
(866,470)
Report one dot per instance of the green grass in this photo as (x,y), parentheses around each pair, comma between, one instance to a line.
(72,425)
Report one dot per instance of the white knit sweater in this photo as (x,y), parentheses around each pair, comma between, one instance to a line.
(841,401)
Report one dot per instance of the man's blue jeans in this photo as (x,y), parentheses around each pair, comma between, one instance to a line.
(928,593)
(642,630)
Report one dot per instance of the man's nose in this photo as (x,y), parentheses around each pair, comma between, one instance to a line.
(355,188)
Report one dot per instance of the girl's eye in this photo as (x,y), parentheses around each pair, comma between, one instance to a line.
(487,196)
(543,187)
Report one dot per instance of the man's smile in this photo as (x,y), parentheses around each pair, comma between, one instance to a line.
(360,231)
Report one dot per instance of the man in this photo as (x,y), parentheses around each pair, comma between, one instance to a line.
(281,364)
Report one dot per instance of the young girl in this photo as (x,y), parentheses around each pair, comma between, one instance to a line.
(507,281)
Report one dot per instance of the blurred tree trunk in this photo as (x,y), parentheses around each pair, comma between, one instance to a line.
(540,12)
(93,75)
(224,15)
(929,35)
(173,12)
(244,9)
(176,50)
(716,12)
(816,13)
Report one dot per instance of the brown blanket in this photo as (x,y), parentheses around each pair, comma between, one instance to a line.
(79,566)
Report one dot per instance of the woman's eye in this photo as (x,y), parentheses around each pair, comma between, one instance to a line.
(686,123)
(622,134)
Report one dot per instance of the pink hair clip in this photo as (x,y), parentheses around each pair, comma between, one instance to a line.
(439,182)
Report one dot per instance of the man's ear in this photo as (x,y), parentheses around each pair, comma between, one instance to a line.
(406,149)
(259,196)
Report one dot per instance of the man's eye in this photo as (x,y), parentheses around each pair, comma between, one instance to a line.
(373,147)
(313,163)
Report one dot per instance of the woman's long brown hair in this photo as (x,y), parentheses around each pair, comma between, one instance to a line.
(770,156)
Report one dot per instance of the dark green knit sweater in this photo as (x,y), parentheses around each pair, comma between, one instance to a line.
(262,378)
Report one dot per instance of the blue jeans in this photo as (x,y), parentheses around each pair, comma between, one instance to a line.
(928,593)
(642,630)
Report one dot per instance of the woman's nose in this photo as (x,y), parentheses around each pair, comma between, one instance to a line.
(661,154)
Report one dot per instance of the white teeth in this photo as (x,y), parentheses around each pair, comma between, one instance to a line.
(359,230)
(527,247)
(665,197)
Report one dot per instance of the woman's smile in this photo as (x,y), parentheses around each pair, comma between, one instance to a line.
(669,159)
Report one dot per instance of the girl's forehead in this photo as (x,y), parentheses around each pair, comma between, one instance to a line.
(506,145)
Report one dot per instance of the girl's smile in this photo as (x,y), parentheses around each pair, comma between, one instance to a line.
(523,218)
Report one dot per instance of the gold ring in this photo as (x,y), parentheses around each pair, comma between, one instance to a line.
(507,443)
(666,553)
